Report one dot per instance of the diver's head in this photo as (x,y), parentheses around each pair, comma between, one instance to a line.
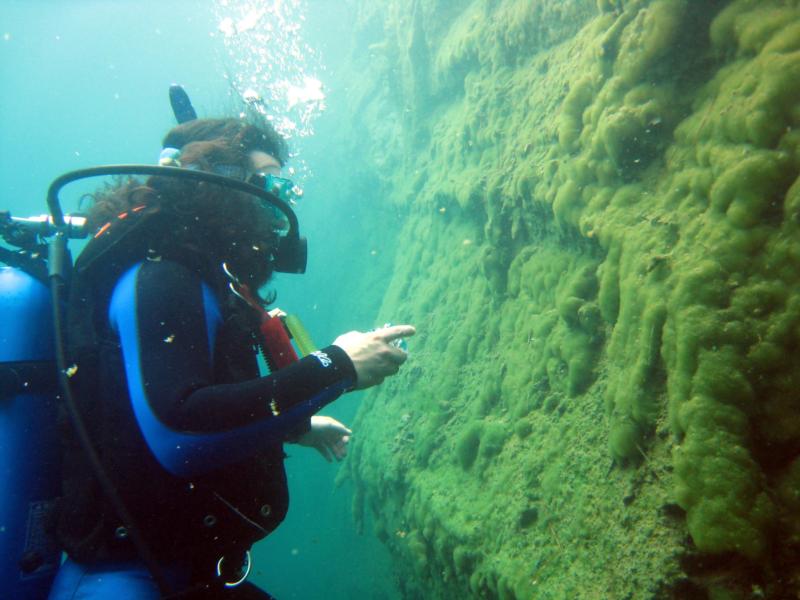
(236,226)
(213,220)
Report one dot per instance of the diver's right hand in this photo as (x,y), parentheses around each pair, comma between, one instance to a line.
(372,354)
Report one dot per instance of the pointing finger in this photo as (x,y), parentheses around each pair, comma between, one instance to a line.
(395,332)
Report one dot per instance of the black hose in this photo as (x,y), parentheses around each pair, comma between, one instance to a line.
(242,186)
(291,253)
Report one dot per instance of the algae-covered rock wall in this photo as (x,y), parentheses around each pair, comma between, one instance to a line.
(598,215)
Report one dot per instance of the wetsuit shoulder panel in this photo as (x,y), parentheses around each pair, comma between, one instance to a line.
(167,321)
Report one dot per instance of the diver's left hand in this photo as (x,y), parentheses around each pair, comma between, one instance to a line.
(328,436)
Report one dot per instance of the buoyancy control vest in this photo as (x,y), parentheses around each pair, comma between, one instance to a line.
(194,519)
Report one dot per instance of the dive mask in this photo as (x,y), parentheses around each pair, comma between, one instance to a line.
(280,187)
(283,188)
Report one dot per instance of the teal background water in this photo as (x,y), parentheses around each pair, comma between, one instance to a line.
(85,83)
(590,209)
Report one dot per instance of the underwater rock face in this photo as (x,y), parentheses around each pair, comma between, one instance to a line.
(600,247)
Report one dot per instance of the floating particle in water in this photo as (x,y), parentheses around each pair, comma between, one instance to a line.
(227,27)
(250,20)
(250,96)
(309,91)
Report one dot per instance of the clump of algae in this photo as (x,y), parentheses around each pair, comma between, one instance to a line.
(602,262)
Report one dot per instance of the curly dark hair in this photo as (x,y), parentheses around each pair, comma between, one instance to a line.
(242,135)
(222,224)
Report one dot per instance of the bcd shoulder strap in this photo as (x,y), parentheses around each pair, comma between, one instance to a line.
(116,246)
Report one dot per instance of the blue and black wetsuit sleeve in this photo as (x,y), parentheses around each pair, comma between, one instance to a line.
(167,320)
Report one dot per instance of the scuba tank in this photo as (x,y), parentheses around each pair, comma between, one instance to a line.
(29,441)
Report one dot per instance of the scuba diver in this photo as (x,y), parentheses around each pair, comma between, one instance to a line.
(163,326)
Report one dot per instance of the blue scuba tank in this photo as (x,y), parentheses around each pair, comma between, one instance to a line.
(29,442)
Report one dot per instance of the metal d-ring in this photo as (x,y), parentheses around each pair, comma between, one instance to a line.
(229,274)
(247,564)
(233,282)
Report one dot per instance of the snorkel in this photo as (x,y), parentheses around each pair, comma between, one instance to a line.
(181,104)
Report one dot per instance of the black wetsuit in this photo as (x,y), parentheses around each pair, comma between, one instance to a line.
(165,341)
